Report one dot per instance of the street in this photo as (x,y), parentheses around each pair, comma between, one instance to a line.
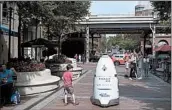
(145,94)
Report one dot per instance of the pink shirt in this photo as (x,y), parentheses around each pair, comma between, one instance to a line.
(67,79)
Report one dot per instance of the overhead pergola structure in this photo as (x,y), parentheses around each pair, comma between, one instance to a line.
(39,43)
(117,24)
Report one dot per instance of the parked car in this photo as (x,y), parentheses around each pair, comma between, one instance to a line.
(119,59)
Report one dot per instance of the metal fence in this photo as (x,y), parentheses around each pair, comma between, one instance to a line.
(161,68)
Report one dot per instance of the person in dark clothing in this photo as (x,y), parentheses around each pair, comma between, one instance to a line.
(83,58)
(133,71)
(6,79)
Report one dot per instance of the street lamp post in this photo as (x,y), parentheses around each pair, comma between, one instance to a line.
(9,45)
(153,35)
(87,40)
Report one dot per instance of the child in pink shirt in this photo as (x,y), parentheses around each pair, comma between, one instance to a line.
(68,87)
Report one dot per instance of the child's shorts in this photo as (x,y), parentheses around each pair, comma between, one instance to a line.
(68,90)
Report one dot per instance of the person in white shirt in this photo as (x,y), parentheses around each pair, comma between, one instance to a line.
(146,65)
(140,65)
(79,58)
(126,59)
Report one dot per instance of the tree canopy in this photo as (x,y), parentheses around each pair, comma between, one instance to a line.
(57,17)
(126,42)
(163,9)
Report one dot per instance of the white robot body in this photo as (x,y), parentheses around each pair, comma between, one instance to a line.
(105,87)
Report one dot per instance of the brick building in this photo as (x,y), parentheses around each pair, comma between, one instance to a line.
(144,8)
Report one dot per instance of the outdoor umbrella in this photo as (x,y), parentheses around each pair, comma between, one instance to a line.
(39,42)
(163,48)
(27,44)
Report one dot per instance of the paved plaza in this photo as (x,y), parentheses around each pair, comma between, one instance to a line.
(147,94)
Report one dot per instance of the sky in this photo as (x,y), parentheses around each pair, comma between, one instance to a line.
(113,7)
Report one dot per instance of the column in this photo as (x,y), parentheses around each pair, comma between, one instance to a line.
(87,43)
(92,42)
(153,41)
(1,13)
(144,46)
(1,55)
(9,47)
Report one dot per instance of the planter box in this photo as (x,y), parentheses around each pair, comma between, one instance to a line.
(59,69)
(36,82)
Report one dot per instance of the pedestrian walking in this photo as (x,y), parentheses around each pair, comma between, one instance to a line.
(79,58)
(133,66)
(83,58)
(76,57)
(68,87)
(140,65)
(146,65)
(126,59)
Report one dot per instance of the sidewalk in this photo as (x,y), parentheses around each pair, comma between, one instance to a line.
(146,94)
(28,102)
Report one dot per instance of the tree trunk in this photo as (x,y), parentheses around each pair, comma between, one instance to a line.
(59,47)
(19,37)
(24,37)
(36,38)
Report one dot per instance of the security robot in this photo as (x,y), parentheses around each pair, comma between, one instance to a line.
(105,85)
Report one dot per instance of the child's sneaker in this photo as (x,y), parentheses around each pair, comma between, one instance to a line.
(65,104)
(140,78)
(76,103)
(130,79)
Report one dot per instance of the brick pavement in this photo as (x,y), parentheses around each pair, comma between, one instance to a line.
(145,94)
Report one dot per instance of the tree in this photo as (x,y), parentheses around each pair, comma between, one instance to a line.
(163,9)
(103,45)
(35,10)
(66,13)
(127,42)
(58,17)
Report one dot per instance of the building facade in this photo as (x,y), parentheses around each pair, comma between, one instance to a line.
(4,35)
(144,8)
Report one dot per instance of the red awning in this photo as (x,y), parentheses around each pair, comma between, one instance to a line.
(163,48)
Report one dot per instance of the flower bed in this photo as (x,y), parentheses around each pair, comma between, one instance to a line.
(33,77)
(27,65)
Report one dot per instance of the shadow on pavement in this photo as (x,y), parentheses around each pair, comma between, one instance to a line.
(149,98)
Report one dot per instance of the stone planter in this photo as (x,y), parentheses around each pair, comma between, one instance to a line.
(29,83)
(59,69)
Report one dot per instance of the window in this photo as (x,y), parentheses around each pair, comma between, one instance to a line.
(117,56)
(162,42)
(121,56)
(5,11)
